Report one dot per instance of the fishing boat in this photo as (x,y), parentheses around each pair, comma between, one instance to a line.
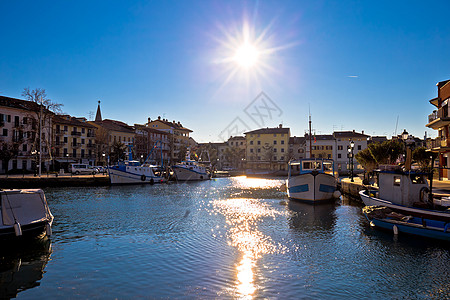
(387,219)
(24,213)
(133,172)
(407,192)
(190,170)
(312,180)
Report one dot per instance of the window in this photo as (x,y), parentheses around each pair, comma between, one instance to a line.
(259,150)
(251,142)
(282,142)
(83,130)
(65,139)
(274,149)
(274,142)
(340,147)
(259,142)
(282,149)
(251,150)
(24,147)
(5,132)
(65,127)
(359,147)
(274,158)
(274,134)
(397,180)
(339,155)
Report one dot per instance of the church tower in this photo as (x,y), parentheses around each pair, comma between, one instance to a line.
(98,116)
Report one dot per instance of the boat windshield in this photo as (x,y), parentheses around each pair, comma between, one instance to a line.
(312,165)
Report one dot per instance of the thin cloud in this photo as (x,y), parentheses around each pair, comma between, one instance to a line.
(353,76)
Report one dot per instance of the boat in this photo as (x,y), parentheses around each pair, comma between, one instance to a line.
(190,170)
(406,192)
(312,180)
(133,172)
(387,219)
(24,214)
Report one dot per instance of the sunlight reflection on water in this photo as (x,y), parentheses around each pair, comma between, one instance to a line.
(243,217)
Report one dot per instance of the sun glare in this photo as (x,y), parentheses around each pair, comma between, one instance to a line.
(246,55)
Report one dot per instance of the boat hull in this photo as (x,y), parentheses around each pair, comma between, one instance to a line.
(311,188)
(419,227)
(24,214)
(413,211)
(134,175)
(185,174)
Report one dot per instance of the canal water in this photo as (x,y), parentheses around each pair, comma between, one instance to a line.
(225,238)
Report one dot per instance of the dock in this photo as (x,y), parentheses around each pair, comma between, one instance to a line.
(29,181)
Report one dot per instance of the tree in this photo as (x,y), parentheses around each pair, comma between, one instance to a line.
(8,152)
(44,110)
(118,152)
(424,158)
(101,143)
(366,160)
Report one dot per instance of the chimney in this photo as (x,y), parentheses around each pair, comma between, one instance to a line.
(362,132)
(149,120)
(353,130)
(159,117)
(281,126)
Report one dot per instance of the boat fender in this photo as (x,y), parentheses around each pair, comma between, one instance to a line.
(395,229)
(143,178)
(48,230)
(152,181)
(423,194)
(447,225)
(201,176)
(336,194)
(17,229)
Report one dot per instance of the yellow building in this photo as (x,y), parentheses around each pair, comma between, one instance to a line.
(267,148)
(73,141)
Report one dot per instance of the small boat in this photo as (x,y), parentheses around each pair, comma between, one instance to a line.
(190,170)
(312,180)
(406,192)
(24,213)
(387,219)
(133,172)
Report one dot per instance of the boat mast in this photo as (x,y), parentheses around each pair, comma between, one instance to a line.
(310,137)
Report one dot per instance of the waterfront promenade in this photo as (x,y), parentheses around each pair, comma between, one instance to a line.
(52,180)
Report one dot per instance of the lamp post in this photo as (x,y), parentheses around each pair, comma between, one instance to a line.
(350,158)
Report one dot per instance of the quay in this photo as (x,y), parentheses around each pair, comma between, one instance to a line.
(441,188)
(52,180)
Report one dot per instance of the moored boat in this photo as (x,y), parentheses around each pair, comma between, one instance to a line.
(312,180)
(192,170)
(24,213)
(387,219)
(407,192)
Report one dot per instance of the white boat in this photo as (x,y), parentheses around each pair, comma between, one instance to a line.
(312,180)
(190,170)
(132,172)
(24,213)
(407,192)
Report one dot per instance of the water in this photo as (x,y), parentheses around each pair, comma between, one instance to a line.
(224,238)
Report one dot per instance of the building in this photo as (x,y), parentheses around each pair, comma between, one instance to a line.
(110,135)
(439,120)
(341,155)
(321,146)
(73,141)
(297,147)
(267,148)
(179,136)
(20,146)
(231,154)
(153,142)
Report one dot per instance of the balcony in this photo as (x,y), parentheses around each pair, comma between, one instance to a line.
(76,133)
(438,144)
(76,145)
(90,145)
(439,118)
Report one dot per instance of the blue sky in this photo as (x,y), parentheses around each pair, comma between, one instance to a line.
(353,64)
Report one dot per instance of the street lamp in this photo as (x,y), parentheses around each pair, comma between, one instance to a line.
(350,158)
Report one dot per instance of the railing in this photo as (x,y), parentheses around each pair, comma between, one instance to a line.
(438,114)
(76,133)
(439,142)
(76,145)
(90,134)
(90,145)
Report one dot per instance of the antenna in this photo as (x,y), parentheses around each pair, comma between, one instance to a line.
(396,125)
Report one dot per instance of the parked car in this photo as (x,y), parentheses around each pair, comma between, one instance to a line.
(100,169)
(83,169)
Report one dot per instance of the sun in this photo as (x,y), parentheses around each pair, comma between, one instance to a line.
(246,55)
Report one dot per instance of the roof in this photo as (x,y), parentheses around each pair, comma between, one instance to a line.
(174,125)
(268,130)
(442,83)
(69,120)
(114,125)
(149,129)
(236,138)
(296,140)
(321,137)
(18,103)
(349,134)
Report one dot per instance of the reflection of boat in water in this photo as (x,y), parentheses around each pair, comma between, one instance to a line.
(312,217)
(24,213)
(22,266)
(385,218)
(312,180)
(133,172)
(407,193)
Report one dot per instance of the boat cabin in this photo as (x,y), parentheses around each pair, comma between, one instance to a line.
(404,188)
(304,166)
